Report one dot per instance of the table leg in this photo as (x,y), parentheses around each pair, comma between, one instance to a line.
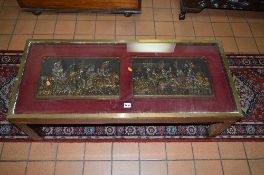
(27,130)
(218,128)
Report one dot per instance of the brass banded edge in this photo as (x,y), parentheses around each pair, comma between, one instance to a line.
(230,79)
(126,115)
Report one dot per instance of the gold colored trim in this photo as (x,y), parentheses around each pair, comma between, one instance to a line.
(230,79)
(223,115)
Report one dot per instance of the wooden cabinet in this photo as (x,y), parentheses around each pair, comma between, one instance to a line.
(199,5)
(126,7)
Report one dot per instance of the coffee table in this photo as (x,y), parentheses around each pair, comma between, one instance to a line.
(108,82)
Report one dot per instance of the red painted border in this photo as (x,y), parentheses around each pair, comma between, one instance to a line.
(28,104)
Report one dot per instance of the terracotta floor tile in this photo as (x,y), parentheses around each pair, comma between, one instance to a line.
(147,3)
(67,16)
(125,28)
(203,29)
(70,151)
(165,37)
(256,167)
(229,44)
(40,168)
(86,16)
(164,28)
(1,146)
(260,44)
(257,29)
(235,167)
(85,27)
(152,151)
(175,15)
(7,26)
(12,168)
(15,151)
(185,38)
(125,37)
(217,15)
(147,14)
(205,150)
(179,150)
(25,26)
(9,12)
(43,151)
(241,29)
(162,15)
(254,16)
(204,38)
(48,16)
(246,45)
(208,167)
(63,36)
(12,3)
(125,167)
(69,168)
(122,17)
(105,27)
(105,17)
(104,37)
(45,27)
(98,151)
(153,168)
(231,150)
(222,29)
(84,37)
(145,28)
(161,4)
(184,28)
(236,16)
(4,40)
(175,4)
(42,36)
(65,27)
(181,167)
(139,37)
(254,149)
(125,151)
(23,15)
(203,16)
(97,168)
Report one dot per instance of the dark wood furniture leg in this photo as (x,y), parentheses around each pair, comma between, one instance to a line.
(27,130)
(218,128)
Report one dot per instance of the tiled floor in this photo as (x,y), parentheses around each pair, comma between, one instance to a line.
(239,31)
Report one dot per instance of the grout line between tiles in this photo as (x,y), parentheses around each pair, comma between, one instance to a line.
(167,165)
(112,157)
(139,153)
(55,161)
(253,35)
(194,161)
(56,21)
(223,172)
(247,158)
(13,31)
(84,153)
(27,161)
(173,22)
(1,151)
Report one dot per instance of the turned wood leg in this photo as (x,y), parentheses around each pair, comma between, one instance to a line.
(218,128)
(27,130)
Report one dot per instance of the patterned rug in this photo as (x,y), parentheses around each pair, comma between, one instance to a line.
(248,76)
